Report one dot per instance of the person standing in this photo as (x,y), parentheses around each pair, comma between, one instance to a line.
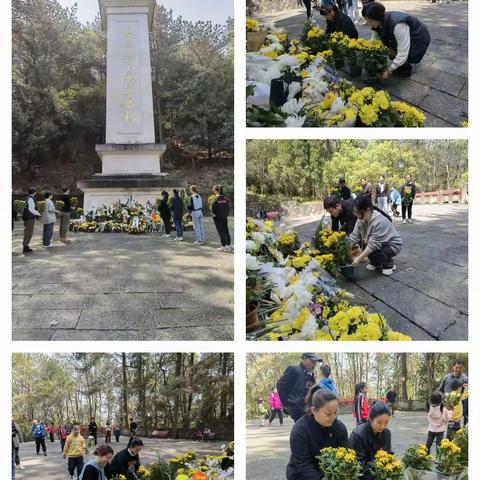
(294,384)
(360,403)
(165,214)
(17,440)
(326,380)
(438,419)
(51,432)
(308,6)
(275,407)
(75,447)
(117,432)
(392,400)
(108,431)
(456,373)
(220,209)
(395,201)
(29,215)
(177,210)
(48,219)
(38,432)
(196,207)
(62,435)
(345,192)
(366,188)
(381,194)
(65,213)
(92,429)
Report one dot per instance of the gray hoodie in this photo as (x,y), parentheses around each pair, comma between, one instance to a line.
(375,233)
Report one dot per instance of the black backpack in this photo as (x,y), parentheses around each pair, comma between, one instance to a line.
(27,214)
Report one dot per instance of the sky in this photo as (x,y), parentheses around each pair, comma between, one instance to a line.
(215,10)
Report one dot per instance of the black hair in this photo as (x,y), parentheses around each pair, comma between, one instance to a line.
(165,194)
(375,11)
(377,409)
(330,202)
(136,442)
(65,189)
(219,189)
(456,384)
(317,397)
(359,387)
(326,369)
(325,9)
(363,203)
(436,398)
(342,180)
(175,191)
(46,194)
(32,190)
(458,361)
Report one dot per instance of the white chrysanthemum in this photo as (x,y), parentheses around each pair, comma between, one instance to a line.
(252,263)
(294,89)
(293,106)
(258,238)
(309,328)
(288,61)
(273,47)
(294,121)
(251,246)
(272,38)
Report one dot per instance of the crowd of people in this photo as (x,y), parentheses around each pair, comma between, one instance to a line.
(365,219)
(314,407)
(169,209)
(405,36)
(74,447)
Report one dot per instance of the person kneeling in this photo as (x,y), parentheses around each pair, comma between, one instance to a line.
(381,239)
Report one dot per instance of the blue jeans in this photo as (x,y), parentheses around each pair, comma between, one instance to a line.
(383,203)
(198,226)
(47,233)
(178,226)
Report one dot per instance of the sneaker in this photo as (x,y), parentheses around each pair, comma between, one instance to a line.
(176,239)
(389,271)
(21,467)
(44,454)
(196,242)
(371,267)
(27,250)
(180,239)
(221,249)
(166,235)
(404,221)
(409,220)
(228,248)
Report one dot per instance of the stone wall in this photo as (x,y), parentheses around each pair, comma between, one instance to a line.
(257,7)
(286,209)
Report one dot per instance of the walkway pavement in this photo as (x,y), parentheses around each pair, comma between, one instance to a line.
(268,448)
(122,287)
(54,467)
(439,84)
(427,297)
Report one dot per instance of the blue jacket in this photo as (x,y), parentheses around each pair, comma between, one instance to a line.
(328,384)
(38,431)
(395,197)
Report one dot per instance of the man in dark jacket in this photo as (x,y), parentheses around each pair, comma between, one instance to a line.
(408,193)
(220,209)
(126,462)
(366,188)
(65,213)
(341,212)
(28,216)
(177,210)
(392,400)
(92,429)
(17,440)
(165,213)
(337,21)
(345,192)
(294,384)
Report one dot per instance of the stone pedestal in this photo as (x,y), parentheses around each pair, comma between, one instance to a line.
(130,153)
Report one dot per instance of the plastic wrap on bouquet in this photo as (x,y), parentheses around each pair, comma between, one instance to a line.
(414,474)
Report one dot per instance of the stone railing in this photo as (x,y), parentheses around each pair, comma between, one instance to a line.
(455,195)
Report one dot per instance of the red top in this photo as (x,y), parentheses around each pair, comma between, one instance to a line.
(274,401)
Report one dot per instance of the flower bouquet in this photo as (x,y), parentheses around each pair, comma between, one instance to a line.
(255,36)
(461,439)
(417,461)
(333,243)
(20,206)
(449,460)
(452,399)
(59,205)
(40,206)
(339,464)
(386,467)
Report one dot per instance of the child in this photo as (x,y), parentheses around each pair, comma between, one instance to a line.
(74,448)
(395,201)
(276,407)
(48,219)
(360,403)
(62,434)
(326,381)
(438,418)
(375,233)
(457,411)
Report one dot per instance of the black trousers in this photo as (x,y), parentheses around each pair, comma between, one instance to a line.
(40,442)
(117,437)
(274,413)
(108,437)
(52,437)
(94,435)
(222,228)
(62,444)
(453,427)
(167,221)
(75,463)
(308,6)
(382,258)
(406,208)
(392,408)
(17,456)
(434,436)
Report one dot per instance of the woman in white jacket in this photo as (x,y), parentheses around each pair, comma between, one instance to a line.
(376,235)
(48,219)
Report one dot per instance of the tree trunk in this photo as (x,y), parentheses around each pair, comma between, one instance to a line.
(124,388)
(178,371)
(403,358)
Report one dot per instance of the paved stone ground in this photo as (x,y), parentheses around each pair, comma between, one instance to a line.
(122,287)
(439,84)
(54,467)
(268,448)
(427,296)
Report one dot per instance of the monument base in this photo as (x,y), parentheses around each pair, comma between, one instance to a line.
(103,190)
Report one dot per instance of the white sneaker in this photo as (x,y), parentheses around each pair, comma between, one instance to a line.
(221,249)
(404,221)
(196,242)
(409,220)
(21,467)
(165,235)
(176,239)
(371,267)
(180,239)
(389,271)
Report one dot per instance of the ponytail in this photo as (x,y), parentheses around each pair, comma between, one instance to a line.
(317,397)
(363,203)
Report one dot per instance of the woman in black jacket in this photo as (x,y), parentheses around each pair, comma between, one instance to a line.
(368,438)
(337,21)
(316,430)
(165,214)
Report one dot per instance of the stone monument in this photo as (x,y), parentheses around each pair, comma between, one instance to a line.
(130,157)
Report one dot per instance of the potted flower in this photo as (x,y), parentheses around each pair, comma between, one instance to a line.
(449,460)
(461,439)
(417,461)
(257,290)
(255,36)
(353,54)
(339,464)
(375,58)
(337,45)
(386,467)
(315,39)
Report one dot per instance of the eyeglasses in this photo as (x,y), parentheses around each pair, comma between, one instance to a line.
(329,415)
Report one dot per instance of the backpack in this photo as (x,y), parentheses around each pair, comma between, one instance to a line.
(27,214)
